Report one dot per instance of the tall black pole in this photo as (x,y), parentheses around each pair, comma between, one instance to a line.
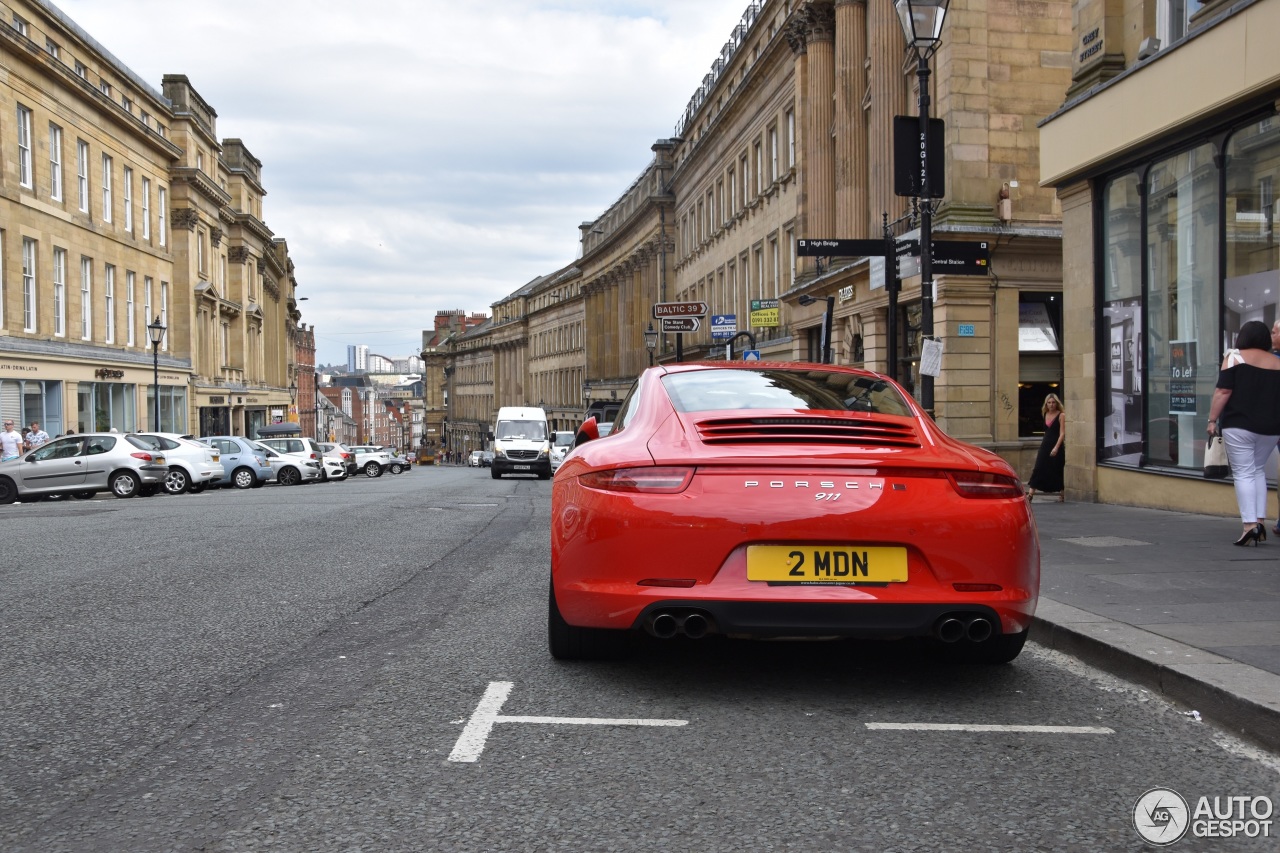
(155,380)
(926,233)
(891,282)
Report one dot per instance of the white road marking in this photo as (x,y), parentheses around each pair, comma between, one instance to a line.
(976,727)
(476,733)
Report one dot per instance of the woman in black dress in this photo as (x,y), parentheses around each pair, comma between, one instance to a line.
(1051,461)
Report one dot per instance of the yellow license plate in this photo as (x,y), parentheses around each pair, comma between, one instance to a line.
(826,564)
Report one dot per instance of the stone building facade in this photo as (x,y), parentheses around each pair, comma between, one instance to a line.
(119,206)
(1170,243)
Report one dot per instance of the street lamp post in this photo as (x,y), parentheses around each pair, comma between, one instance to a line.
(826,324)
(651,341)
(155,331)
(293,398)
(922,26)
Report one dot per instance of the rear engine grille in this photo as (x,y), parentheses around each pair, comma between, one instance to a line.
(522,454)
(808,431)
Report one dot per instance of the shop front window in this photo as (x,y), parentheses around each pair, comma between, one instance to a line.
(173,409)
(25,400)
(105,406)
(1251,289)
(1182,337)
(1039,357)
(1120,400)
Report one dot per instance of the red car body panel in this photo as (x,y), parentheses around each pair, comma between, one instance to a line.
(892,489)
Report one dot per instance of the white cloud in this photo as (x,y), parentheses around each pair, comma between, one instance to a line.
(427,155)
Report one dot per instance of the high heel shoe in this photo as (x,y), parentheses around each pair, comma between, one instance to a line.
(1262,532)
(1250,535)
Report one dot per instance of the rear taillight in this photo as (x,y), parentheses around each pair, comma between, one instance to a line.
(661,481)
(975,484)
(145,457)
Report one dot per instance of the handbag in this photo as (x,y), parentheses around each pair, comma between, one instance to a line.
(1215,459)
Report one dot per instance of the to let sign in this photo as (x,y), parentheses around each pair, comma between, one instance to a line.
(663,310)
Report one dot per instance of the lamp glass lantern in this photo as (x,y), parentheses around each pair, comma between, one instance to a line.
(155,331)
(651,341)
(921,22)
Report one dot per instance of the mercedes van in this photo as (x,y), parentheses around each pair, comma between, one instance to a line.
(521,443)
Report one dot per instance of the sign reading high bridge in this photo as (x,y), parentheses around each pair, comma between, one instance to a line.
(662,310)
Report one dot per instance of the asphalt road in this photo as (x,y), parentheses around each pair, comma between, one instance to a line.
(362,666)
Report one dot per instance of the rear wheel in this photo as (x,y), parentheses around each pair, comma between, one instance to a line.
(177,481)
(568,642)
(243,478)
(289,477)
(396,468)
(493,472)
(124,484)
(8,491)
(372,469)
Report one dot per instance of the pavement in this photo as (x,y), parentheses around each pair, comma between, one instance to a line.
(1165,600)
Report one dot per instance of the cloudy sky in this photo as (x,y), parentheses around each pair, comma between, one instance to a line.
(427,154)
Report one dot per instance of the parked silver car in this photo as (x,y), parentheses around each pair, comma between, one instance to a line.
(192,465)
(83,465)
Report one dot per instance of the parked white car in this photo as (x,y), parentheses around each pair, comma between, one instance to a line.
(192,464)
(561,444)
(371,460)
(332,467)
(289,469)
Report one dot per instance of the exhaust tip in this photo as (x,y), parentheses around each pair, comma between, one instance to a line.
(978,630)
(695,626)
(950,630)
(663,626)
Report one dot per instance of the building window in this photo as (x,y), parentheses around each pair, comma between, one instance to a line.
(791,139)
(146,208)
(27,400)
(82,174)
(28,284)
(59,293)
(105,406)
(52,47)
(24,148)
(109,294)
(742,179)
(130,309)
(126,103)
(200,238)
(104,87)
(173,408)
(226,345)
(146,299)
(55,162)
(21,26)
(128,199)
(759,159)
(86,299)
(773,154)
(1039,357)
(106,188)
(164,314)
(162,211)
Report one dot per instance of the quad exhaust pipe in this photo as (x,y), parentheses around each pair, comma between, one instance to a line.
(953,629)
(666,624)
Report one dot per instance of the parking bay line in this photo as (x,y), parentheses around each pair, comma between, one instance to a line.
(476,733)
(977,727)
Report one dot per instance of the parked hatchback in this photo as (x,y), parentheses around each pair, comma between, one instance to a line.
(192,465)
(83,465)
(342,452)
(245,464)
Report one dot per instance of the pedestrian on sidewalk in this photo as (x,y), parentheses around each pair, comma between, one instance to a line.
(1245,411)
(10,442)
(1051,460)
(37,436)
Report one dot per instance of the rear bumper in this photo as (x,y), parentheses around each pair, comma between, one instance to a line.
(765,619)
(542,466)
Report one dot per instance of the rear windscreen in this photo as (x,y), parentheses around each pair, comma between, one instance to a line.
(777,388)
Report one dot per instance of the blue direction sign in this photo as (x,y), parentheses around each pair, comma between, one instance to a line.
(723,326)
(751,355)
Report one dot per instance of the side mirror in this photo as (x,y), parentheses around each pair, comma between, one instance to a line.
(589,431)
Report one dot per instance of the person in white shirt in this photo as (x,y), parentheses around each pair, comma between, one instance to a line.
(10,442)
(37,436)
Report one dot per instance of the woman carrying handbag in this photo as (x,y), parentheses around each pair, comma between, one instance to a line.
(1245,411)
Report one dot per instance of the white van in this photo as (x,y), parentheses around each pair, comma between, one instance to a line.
(521,443)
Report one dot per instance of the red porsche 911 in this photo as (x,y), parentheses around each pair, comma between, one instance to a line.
(786,501)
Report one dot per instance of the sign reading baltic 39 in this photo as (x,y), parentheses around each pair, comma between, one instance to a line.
(680,309)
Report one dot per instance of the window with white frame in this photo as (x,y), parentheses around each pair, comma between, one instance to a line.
(773,153)
(733,192)
(86,298)
(742,180)
(82,174)
(60,293)
(20,25)
(28,284)
(759,158)
(55,162)
(109,294)
(24,148)
(106,188)
(164,312)
(146,299)
(52,47)
(200,238)
(130,309)
(791,139)
(162,209)
(146,208)
(226,345)
(81,71)
(128,199)
(104,87)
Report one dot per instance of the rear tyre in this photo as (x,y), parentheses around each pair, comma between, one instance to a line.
(8,491)
(493,472)
(243,478)
(124,484)
(289,477)
(568,642)
(149,491)
(396,468)
(372,469)
(177,481)
(995,650)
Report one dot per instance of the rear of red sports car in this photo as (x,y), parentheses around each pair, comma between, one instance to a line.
(787,500)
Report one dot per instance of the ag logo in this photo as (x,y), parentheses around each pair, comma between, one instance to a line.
(1161,816)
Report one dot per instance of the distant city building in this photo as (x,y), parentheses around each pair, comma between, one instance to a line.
(357,358)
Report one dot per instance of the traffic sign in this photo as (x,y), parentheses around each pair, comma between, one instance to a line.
(809,247)
(681,324)
(950,257)
(663,310)
(751,355)
(723,326)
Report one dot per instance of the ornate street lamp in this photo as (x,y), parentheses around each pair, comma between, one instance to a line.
(155,331)
(922,27)
(651,341)
(293,394)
